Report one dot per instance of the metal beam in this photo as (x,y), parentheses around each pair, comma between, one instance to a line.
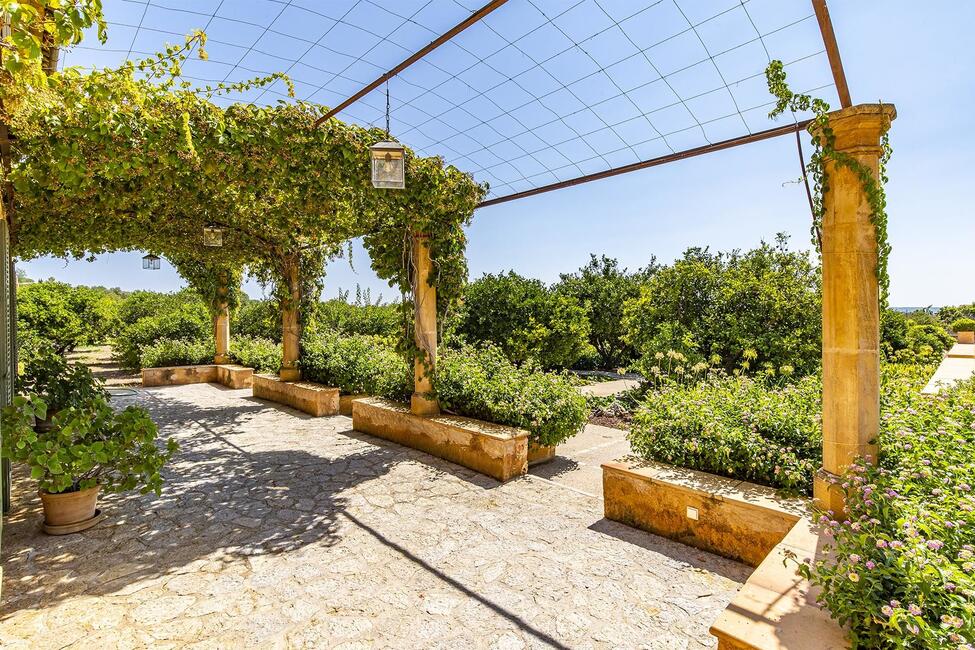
(653,162)
(440,40)
(833,52)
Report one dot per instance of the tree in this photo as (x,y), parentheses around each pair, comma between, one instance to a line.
(526,319)
(66,316)
(601,287)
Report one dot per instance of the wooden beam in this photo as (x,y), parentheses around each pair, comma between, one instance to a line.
(440,40)
(833,52)
(653,162)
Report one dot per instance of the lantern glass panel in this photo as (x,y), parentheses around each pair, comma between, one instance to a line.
(150,262)
(388,166)
(212,236)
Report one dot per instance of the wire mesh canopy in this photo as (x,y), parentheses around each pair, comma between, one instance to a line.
(534,93)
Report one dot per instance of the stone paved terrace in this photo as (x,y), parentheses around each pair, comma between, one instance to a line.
(279,530)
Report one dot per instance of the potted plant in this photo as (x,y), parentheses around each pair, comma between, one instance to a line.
(60,384)
(964,329)
(88,447)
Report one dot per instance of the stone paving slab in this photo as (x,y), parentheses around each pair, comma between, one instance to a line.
(280,530)
(578,461)
(951,370)
(607,388)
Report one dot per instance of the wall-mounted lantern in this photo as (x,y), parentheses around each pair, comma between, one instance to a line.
(150,262)
(212,236)
(388,165)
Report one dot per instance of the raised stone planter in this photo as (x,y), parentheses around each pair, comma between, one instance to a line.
(230,375)
(538,454)
(493,449)
(305,396)
(345,403)
(966,338)
(738,520)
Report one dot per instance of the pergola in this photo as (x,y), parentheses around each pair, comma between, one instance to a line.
(496,111)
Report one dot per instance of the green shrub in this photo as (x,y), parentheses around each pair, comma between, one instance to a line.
(950,314)
(356,365)
(963,325)
(900,574)
(60,384)
(525,319)
(263,355)
(66,316)
(257,319)
(932,335)
(720,305)
(480,382)
(743,427)
(176,352)
(602,288)
(348,319)
(192,325)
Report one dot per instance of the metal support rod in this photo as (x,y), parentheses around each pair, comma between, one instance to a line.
(833,52)
(653,162)
(440,40)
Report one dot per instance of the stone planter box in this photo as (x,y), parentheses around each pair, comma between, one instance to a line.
(230,375)
(738,520)
(345,403)
(538,454)
(313,399)
(498,451)
(966,337)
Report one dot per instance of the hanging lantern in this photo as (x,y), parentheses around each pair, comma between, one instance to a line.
(212,236)
(150,262)
(388,165)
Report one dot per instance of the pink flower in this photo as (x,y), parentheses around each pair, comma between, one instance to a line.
(935,544)
(871,565)
(914,609)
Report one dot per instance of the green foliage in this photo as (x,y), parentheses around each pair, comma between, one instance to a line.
(480,382)
(602,288)
(66,316)
(191,324)
(525,319)
(933,336)
(963,325)
(376,320)
(824,140)
(48,375)
(217,283)
(257,319)
(725,305)
(949,314)
(88,444)
(357,365)
(263,355)
(743,427)
(176,352)
(912,338)
(900,571)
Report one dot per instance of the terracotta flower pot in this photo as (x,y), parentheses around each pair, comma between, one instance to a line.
(69,508)
(966,337)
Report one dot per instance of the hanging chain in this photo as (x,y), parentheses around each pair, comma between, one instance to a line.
(387,109)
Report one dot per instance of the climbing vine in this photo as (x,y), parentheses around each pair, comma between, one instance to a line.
(824,141)
(216,281)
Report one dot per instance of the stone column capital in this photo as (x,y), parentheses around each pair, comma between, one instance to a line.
(860,127)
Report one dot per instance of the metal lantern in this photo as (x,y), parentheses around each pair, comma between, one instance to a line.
(212,236)
(150,262)
(388,165)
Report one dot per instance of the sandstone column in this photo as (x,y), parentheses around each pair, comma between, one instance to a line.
(290,327)
(425,325)
(221,323)
(851,302)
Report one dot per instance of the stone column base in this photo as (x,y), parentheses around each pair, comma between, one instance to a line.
(420,405)
(221,358)
(827,492)
(289,374)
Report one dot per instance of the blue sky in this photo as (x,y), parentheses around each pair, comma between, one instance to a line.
(535,109)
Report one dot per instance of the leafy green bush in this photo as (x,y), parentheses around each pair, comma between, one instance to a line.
(602,288)
(88,444)
(950,314)
(963,325)
(720,305)
(137,305)
(356,365)
(176,352)
(263,355)
(480,382)
(345,318)
(258,319)
(900,574)
(525,319)
(65,315)
(743,427)
(60,384)
(192,325)
(933,335)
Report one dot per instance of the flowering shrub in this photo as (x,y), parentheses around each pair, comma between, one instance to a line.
(480,382)
(357,365)
(742,427)
(176,352)
(902,569)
